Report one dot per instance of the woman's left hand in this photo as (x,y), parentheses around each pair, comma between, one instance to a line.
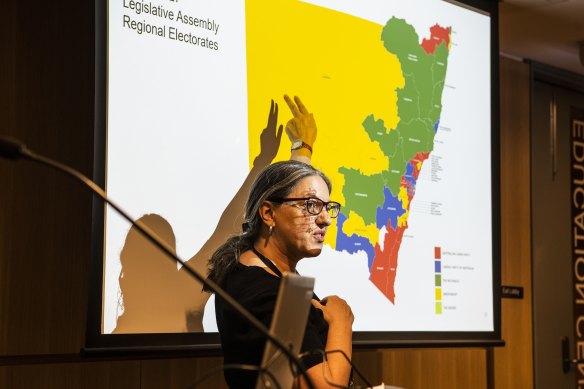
(336,311)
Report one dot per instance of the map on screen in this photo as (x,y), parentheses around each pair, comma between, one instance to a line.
(400,91)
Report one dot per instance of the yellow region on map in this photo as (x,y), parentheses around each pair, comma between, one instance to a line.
(356,225)
(337,64)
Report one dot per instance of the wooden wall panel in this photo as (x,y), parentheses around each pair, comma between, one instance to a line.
(513,364)
(369,364)
(183,373)
(111,375)
(46,100)
(435,368)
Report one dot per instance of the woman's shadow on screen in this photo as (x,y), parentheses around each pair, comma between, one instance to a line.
(156,296)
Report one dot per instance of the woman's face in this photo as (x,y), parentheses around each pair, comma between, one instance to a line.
(297,233)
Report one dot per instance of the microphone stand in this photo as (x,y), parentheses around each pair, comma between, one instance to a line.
(12,149)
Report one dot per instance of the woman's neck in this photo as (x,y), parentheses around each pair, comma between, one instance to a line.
(273,253)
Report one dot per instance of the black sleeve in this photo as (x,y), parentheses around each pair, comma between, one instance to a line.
(315,338)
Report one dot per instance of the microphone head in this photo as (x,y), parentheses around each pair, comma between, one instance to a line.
(10,148)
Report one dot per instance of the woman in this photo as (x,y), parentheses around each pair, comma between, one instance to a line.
(286,216)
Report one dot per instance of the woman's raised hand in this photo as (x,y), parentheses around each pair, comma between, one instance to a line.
(301,127)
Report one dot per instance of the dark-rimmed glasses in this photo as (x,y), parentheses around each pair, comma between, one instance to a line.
(313,205)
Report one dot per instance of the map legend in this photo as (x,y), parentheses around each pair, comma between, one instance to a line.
(438,279)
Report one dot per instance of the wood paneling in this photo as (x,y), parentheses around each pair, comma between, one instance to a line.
(435,369)
(513,364)
(47,99)
(112,375)
(180,374)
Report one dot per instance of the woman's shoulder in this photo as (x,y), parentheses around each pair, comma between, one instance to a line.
(253,271)
(253,288)
(254,280)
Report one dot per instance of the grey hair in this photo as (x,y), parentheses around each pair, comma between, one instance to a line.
(277,180)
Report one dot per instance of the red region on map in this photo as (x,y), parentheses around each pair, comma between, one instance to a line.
(384,265)
(438,35)
(383,270)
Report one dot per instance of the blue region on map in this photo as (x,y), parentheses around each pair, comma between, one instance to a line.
(390,211)
(436,126)
(353,243)
(409,178)
(409,171)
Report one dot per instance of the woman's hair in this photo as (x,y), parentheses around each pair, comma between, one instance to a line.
(277,180)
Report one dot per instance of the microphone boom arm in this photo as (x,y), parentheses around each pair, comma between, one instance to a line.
(13,149)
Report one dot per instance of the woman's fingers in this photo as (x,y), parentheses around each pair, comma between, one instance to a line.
(300,105)
(292,106)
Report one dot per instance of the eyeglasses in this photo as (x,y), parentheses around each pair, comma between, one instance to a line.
(314,205)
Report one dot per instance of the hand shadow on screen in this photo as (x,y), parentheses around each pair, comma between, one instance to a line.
(155,296)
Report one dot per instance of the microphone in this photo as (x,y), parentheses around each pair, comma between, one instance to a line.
(13,149)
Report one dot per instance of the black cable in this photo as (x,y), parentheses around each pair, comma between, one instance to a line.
(12,149)
(325,375)
(236,366)
(352,365)
(324,361)
(271,376)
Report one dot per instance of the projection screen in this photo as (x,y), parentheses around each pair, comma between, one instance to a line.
(405,97)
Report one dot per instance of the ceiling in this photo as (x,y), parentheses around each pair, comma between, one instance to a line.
(548,31)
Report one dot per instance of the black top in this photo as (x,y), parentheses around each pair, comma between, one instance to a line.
(257,290)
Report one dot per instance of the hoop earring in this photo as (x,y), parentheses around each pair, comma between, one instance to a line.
(270,230)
